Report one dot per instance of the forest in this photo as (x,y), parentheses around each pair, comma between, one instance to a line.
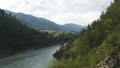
(97,46)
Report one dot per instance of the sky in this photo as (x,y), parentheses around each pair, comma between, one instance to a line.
(81,12)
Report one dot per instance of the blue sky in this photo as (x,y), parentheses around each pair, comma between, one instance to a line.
(80,12)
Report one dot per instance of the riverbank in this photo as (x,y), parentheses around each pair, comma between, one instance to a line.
(7,53)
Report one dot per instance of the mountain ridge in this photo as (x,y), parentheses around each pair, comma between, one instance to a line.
(45,24)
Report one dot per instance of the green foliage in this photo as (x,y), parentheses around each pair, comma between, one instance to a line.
(96,42)
(13,31)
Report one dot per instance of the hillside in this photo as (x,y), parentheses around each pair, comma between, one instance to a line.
(35,22)
(45,24)
(98,46)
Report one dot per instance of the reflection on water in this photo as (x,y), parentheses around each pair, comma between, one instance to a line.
(30,59)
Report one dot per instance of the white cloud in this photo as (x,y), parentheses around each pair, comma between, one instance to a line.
(60,11)
(78,18)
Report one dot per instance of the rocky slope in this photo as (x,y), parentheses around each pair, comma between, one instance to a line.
(111,61)
(97,46)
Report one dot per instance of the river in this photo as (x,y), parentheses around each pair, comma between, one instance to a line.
(30,59)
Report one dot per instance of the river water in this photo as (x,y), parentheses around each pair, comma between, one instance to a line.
(30,59)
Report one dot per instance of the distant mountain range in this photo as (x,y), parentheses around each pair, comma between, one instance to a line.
(45,24)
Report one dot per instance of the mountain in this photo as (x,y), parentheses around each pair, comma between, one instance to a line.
(45,24)
(71,27)
(35,22)
(97,46)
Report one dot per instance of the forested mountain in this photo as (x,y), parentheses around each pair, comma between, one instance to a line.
(16,37)
(42,23)
(35,22)
(98,46)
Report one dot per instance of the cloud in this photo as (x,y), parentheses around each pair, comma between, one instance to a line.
(78,18)
(60,11)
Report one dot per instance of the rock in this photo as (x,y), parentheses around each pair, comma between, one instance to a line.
(112,61)
(58,54)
